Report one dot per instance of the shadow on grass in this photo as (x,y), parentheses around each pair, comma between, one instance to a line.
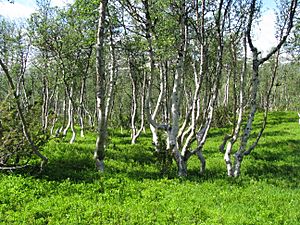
(218,132)
(282,117)
(83,171)
(276,161)
(77,170)
(274,133)
(141,155)
(279,150)
(278,175)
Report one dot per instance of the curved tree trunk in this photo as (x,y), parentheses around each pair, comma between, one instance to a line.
(256,63)
(233,139)
(81,110)
(22,118)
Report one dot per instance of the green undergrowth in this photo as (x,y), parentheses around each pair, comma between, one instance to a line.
(133,191)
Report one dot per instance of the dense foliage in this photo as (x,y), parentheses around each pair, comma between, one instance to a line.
(15,150)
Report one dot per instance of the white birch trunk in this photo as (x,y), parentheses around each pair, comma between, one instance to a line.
(56,113)
(136,132)
(72,140)
(156,109)
(133,101)
(45,104)
(175,97)
(256,63)
(266,105)
(226,91)
(227,155)
(201,135)
(64,111)
(151,117)
(246,134)
(82,109)
(81,106)
(71,116)
(112,80)
(65,131)
(91,120)
(99,152)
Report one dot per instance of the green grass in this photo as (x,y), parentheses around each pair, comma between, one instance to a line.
(132,190)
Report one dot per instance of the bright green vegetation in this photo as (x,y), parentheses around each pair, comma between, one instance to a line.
(132,190)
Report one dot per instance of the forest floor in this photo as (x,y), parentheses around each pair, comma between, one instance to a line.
(133,191)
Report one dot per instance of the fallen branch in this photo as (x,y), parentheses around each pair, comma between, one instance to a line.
(13,167)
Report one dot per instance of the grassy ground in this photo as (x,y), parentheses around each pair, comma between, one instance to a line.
(132,190)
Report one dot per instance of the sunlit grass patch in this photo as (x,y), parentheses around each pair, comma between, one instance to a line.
(133,191)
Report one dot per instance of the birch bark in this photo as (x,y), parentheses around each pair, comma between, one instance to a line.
(155,139)
(81,110)
(256,63)
(45,106)
(135,132)
(266,105)
(100,89)
(233,139)
(56,112)
(201,134)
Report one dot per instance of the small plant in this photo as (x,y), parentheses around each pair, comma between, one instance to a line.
(223,116)
(15,151)
(163,154)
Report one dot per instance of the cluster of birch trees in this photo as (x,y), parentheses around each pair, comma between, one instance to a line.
(177,67)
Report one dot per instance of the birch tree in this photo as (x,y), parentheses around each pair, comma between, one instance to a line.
(100,89)
(182,131)
(104,90)
(257,61)
(230,140)
(194,132)
(138,86)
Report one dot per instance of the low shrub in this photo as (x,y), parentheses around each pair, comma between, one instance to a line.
(15,150)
